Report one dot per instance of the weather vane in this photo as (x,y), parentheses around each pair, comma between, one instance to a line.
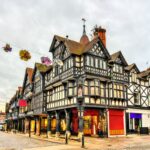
(83,19)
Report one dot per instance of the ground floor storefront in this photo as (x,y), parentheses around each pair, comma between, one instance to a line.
(96,122)
(136,119)
(102,122)
(116,122)
(36,124)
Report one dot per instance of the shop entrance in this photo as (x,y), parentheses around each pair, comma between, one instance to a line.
(135,122)
(90,122)
(116,122)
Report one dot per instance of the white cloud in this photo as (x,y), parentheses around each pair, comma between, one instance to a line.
(31,24)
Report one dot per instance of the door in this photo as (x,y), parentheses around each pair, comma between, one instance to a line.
(116,122)
(94,125)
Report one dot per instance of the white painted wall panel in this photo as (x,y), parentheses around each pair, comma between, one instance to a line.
(146,120)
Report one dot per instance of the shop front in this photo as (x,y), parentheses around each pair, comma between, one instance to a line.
(43,125)
(74,122)
(95,122)
(91,118)
(116,122)
(136,119)
(32,126)
(53,124)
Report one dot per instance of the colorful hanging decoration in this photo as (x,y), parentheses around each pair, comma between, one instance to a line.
(46,61)
(24,55)
(7,48)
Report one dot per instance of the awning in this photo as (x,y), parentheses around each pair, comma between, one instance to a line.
(22,103)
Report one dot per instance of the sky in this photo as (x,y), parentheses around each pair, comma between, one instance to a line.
(31,25)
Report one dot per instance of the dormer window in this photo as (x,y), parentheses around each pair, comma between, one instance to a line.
(133,77)
(118,68)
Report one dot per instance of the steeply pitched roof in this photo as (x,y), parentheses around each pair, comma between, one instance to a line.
(76,47)
(130,67)
(29,73)
(116,55)
(144,73)
(73,46)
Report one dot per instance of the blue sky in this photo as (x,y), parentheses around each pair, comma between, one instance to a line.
(31,25)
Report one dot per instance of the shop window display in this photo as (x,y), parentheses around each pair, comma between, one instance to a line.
(53,125)
(32,125)
(44,124)
(87,125)
(63,125)
(102,125)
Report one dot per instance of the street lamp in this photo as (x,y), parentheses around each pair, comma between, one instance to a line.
(80,108)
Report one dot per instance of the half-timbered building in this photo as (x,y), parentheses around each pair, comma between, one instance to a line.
(12,112)
(138,113)
(89,91)
(86,91)
(39,119)
(25,104)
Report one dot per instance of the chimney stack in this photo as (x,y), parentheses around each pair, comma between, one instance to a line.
(101,33)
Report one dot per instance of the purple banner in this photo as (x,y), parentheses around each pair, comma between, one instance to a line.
(135,115)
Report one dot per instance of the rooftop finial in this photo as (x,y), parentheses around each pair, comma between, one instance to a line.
(84,32)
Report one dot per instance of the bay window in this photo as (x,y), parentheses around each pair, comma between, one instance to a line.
(118,68)
(118,90)
(92,91)
(133,77)
(70,89)
(102,89)
(86,88)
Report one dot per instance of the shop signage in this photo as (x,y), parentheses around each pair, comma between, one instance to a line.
(22,103)
(135,115)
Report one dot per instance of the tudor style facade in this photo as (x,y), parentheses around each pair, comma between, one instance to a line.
(25,106)
(89,89)
(86,91)
(138,113)
(12,112)
(39,119)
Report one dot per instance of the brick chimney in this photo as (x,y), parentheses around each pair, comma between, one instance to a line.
(99,31)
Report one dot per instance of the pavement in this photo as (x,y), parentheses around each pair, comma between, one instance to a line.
(23,142)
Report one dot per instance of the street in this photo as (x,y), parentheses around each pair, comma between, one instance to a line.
(9,141)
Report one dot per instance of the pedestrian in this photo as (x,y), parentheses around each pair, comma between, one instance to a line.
(100,132)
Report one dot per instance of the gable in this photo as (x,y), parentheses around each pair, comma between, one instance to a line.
(97,50)
(65,53)
(134,70)
(118,58)
(57,53)
(27,80)
(36,75)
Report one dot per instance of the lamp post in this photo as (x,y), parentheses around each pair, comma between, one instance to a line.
(80,82)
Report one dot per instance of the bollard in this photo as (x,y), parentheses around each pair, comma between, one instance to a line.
(66,138)
(82,141)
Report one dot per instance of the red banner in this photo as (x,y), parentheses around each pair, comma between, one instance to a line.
(22,103)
